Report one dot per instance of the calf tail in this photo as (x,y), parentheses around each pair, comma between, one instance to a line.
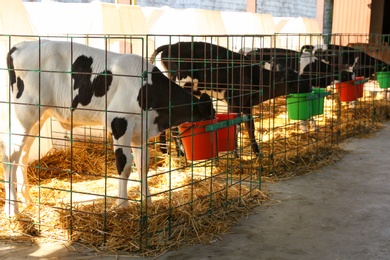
(10,66)
(157,51)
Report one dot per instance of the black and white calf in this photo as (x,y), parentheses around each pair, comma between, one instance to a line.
(319,73)
(346,57)
(314,70)
(79,85)
(279,58)
(242,83)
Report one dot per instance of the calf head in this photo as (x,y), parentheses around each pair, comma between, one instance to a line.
(342,57)
(173,104)
(291,79)
(318,73)
(346,76)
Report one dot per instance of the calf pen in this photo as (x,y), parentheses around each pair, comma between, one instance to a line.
(73,176)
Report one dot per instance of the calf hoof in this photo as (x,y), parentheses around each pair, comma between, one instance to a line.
(180,152)
(146,203)
(303,127)
(163,149)
(123,204)
(26,200)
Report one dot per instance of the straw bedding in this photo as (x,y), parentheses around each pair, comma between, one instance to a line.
(190,206)
(192,203)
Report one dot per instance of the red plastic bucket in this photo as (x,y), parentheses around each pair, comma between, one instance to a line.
(348,91)
(199,144)
(226,135)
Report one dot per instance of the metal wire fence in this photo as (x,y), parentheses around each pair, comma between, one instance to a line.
(283,104)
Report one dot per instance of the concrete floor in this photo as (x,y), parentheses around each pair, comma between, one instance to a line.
(339,212)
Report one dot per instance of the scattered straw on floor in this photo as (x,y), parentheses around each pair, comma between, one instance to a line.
(76,187)
(76,201)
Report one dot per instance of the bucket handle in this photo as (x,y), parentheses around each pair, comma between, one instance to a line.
(188,128)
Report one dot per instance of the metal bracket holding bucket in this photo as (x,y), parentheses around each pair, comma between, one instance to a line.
(311,95)
(362,81)
(227,123)
(320,95)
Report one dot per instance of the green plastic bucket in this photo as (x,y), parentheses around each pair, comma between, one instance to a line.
(317,103)
(383,78)
(299,106)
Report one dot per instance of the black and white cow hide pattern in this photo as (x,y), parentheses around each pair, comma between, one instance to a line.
(315,70)
(241,82)
(346,57)
(83,86)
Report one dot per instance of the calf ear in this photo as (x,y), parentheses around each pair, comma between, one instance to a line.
(145,98)
(206,106)
(280,67)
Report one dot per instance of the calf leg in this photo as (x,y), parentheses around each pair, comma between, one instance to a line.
(163,142)
(15,159)
(10,156)
(21,173)
(250,126)
(141,159)
(122,130)
(178,143)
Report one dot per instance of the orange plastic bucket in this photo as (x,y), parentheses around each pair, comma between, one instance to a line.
(199,144)
(348,91)
(226,135)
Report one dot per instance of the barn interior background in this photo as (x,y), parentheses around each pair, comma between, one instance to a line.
(73,176)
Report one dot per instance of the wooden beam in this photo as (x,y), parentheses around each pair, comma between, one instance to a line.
(126,2)
(251,6)
(320,14)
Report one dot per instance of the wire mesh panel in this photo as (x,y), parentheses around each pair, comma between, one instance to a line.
(276,106)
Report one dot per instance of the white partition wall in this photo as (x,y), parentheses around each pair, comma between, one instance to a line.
(258,26)
(185,24)
(297,25)
(15,20)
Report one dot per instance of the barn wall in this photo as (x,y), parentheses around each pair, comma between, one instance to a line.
(288,8)
(285,8)
(222,5)
(353,17)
